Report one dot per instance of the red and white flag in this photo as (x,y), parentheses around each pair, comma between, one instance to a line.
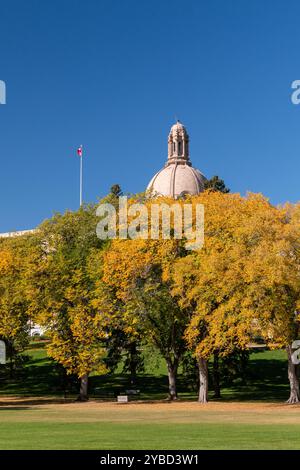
(79,151)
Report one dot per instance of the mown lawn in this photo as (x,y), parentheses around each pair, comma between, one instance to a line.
(147,436)
(163,426)
(250,414)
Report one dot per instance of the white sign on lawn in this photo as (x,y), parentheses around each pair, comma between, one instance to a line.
(2,352)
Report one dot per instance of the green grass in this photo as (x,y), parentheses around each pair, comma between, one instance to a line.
(27,424)
(146,436)
(38,376)
(266,379)
(146,427)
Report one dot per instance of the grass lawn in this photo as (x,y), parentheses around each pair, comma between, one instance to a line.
(149,426)
(266,379)
(250,415)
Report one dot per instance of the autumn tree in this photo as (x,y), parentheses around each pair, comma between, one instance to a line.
(14,319)
(214,280)
(135,272)
(217,184)
(60,292)
(123,335)
(273,276)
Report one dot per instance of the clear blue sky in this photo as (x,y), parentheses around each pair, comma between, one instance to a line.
(112,74)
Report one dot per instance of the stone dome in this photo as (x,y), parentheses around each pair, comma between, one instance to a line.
(178,177)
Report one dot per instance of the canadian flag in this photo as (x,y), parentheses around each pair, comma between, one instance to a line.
(79,151)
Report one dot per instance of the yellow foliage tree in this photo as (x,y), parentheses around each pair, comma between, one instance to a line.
(135,288)
(14,319)
(242,282)
(60,291)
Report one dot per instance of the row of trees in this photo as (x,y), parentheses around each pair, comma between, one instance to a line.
(98,298)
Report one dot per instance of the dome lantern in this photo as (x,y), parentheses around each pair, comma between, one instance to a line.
(178,144)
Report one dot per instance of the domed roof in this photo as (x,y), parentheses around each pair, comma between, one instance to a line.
(176,180)
(178,177)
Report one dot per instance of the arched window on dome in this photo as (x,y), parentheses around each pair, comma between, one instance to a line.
(179,148)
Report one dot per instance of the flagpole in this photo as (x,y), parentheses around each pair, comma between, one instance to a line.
(80,184)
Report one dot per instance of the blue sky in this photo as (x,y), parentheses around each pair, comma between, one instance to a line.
(113,74)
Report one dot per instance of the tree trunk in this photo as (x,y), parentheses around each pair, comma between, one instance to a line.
(293,378)
(244,365)
(133,364)
(83,393)
(172,376)
(203,379)
(216,376)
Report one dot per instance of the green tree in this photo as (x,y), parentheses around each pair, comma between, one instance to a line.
(122,347)
(116,190)
(216,184)
(60,290)
(163,320)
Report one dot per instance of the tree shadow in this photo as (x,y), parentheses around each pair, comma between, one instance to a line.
(266,380)
(14,408)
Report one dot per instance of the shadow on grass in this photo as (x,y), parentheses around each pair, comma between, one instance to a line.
(266,380)
(14,408)
(112,385)
(39,377)
(19,403)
